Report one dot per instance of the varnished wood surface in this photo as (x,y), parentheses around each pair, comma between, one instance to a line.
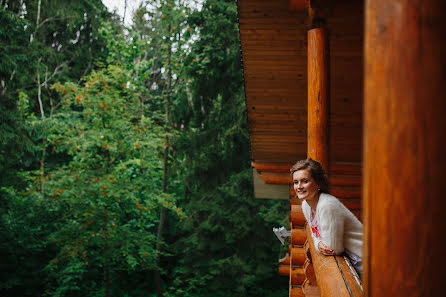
(298,236)
(297,217)
(329,278)
(273,42)
(310,290)
(274,52)
(297,276)
(345,40)
(296,292)
(318,100)
(309,273)
(298,256)
(405,148)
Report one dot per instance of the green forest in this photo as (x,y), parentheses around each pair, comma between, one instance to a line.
(125,157)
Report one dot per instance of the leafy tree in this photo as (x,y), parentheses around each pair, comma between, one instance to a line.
(41,41)
(226,247)
(103,166)
(103,201)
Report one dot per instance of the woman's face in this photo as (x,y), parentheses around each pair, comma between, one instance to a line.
(304,185)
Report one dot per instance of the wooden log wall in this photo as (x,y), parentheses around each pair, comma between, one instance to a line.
(344,25)
(405,147)
(298,257)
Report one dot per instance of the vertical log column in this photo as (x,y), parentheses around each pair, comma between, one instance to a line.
(318,92)
(405,148)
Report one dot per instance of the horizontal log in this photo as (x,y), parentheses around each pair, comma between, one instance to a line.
(276,178)
(284,270)
(352,204)
(297,276)
(299,5)
(266,24)
(298,236)
(298,256)
(297,216)
(345,180)
(285,260)
(271,167)
(345,168)
(264,128)
(277,54)
(346,192)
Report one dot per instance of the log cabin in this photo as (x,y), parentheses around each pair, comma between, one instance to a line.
(359,86)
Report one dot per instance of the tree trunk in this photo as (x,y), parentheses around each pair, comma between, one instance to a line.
(42,114)
(31,37)
(125,10)
(158,280)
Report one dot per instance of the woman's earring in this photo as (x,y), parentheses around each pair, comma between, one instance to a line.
(318,189)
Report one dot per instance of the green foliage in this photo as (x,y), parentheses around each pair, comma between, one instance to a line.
(57,42)
(226,247)
(109,192)
(83,189)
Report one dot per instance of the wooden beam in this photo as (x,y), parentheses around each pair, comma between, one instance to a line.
(405,147)
(318,92)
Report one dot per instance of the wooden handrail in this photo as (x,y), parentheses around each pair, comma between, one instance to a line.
(330,277)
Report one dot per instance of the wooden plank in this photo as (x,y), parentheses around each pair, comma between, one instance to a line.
(282,34)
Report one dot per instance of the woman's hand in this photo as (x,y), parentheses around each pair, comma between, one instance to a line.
(325,250)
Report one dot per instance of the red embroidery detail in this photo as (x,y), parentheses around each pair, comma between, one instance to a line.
(315,230)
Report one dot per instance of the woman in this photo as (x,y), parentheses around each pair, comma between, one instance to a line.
(334,228)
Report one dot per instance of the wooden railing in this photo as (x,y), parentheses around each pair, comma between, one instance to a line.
(333,274)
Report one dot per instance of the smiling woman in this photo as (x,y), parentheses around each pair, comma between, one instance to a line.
(335,230)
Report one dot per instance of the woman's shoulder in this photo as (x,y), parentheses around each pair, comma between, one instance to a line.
(327,199)
(329,202)
(305,207)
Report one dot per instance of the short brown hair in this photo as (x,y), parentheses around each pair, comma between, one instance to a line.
(316,171)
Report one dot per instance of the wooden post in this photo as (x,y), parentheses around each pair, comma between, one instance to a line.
(318,92)
(405,147)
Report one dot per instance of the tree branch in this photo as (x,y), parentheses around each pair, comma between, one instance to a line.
(47,79)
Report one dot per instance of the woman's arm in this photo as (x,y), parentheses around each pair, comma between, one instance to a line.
(306,210)
(331,222)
